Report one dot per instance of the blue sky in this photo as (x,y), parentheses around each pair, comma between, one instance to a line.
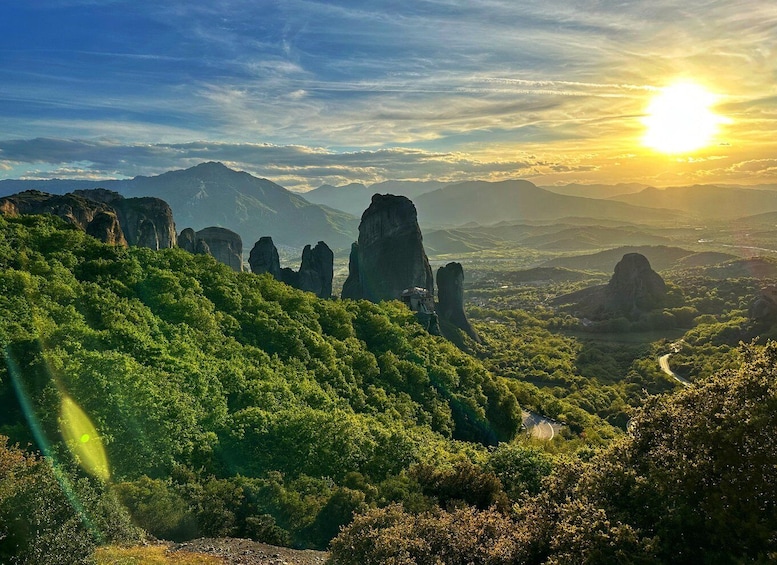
(306,93)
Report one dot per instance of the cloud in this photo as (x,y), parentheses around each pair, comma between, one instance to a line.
(299,166)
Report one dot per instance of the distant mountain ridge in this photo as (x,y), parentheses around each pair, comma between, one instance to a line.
(706,201)
(212,194)
(515,200)
(354,198)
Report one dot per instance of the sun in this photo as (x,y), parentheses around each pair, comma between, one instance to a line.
(679,119)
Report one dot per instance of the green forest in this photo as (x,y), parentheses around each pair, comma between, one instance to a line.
(159,393)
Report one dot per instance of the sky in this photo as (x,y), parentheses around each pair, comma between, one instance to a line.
(307,92)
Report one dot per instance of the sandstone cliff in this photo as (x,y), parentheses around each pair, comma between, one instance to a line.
(450,296)
(389,255)
(223,244)
(106,215)
(634,287)
(315,274)
(264,258)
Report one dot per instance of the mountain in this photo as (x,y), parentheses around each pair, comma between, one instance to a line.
(354,198)
(705,201)
(211,194)
(596,190)
(515,200)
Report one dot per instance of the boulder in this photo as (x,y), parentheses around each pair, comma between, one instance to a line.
(634,287)
(389,255)
(223,244)
(264,258)
(450,296)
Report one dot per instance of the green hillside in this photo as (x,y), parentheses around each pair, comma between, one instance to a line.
(222,403)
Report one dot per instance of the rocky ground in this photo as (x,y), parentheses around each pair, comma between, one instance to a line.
(246,552)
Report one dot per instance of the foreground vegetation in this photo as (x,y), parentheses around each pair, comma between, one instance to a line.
(221,403)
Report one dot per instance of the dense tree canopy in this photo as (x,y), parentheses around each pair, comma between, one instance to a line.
(177,362)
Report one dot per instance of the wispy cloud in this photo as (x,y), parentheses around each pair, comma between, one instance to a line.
(476,78)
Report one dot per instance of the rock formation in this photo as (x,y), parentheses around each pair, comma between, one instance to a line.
(105,226)
(634,287)
(104,214)
(223,244)
(315,273)
(147,222)
(317,270)
(389,255)
(450,296)
(72,208)
(264,258)
(187,240)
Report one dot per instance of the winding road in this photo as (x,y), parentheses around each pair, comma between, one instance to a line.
(540,427)
(663,362)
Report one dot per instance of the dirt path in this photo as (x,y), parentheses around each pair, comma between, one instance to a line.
(246,552)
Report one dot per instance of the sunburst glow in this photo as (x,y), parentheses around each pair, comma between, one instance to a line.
(680,119)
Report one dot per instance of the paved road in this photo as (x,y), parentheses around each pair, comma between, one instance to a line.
(663,362)
(539,426)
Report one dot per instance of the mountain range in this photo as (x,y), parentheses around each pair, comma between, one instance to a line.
(211,194)
(705,201)
(354,198)
(518,200)
(472,215)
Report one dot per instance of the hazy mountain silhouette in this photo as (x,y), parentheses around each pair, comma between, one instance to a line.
(516,200)
(596,190)
(354,198)
(706,201)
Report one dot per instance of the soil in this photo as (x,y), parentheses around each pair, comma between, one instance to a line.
(236,551)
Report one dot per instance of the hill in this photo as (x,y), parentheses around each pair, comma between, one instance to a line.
(354,198)
(706,201)
(218,403)
(212,194)
(754,267)
(518,200)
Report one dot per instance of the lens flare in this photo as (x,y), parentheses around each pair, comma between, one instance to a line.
(82,439)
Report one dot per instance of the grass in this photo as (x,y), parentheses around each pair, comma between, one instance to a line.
(150,555)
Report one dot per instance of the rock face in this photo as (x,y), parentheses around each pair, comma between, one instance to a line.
(264,258)
(450,296)
(105,226)
(389,256)
(315,273)
(634,287)
(187,240)
(147,222)
(223,244)
(317,270)
(106,215)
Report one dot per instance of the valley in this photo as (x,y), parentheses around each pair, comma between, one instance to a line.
(303,405)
